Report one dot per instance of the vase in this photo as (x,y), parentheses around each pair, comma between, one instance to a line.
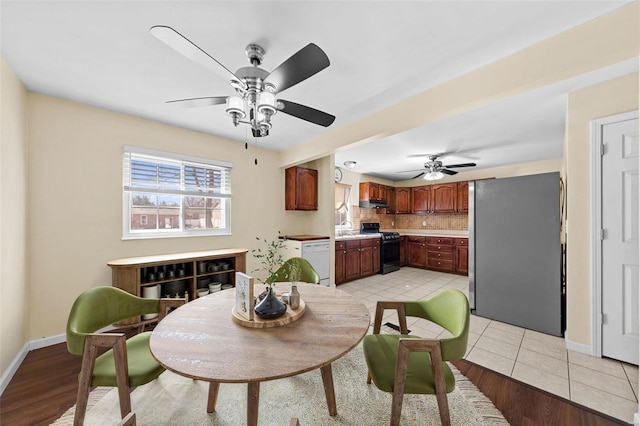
(270,307)
(294,297)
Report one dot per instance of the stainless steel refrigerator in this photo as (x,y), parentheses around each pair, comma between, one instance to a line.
(515,251)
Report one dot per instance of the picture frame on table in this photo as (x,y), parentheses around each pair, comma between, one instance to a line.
(244,296)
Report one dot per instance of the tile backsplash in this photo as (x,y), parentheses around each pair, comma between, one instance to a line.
(440,221)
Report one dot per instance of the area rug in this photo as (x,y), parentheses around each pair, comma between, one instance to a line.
(176,400)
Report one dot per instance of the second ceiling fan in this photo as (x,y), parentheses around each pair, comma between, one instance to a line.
(257,89)
(434,169)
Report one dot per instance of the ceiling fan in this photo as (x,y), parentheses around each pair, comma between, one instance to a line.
(257,89)
(434,169)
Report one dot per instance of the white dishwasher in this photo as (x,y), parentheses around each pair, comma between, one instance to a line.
(316,251)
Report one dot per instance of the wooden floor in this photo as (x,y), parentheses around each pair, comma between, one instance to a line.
(45,386)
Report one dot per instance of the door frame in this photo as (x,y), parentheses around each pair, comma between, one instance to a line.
(596,225)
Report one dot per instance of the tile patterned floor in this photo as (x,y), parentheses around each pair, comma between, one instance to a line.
(535,358)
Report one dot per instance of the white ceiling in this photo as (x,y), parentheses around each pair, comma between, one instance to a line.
(101,53)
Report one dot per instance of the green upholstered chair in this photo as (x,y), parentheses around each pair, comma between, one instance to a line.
(128,362)
(297,269)
(404,363)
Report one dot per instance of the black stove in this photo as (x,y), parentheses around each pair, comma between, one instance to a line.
(390,246)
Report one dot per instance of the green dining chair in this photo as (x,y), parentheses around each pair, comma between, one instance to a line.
(297,269)
(406,364)
(127,362)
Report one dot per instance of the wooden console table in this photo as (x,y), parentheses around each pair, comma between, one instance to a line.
(178,274)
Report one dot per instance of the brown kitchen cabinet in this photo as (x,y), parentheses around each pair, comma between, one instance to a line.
(420,199)
(371,191)
(355,259)
(389,193)
(440,253)
(463,197)
(403,200)
(301,188)
(461,256)
(444,254)
(416,251)
(180,272)
(368,250)
(444,198)
(341,263)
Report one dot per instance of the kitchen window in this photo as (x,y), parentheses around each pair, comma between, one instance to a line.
(343,212)
(174,195)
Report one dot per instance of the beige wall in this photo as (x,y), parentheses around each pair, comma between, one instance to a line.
(14,291)
(75,195)
(601,100)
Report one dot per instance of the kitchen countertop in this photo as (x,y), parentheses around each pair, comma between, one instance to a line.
(412,232)
(434,232)
(306,237)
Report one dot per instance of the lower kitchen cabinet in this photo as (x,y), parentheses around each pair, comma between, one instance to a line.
(357,259)
(360,258)
(416,252)
(462,255)
(440,254)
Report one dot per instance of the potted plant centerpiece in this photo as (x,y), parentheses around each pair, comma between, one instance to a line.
(270,307)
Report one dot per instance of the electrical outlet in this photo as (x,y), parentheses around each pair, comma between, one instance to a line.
(424,223)
(393,223)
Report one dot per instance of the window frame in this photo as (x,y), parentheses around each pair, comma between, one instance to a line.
(129,190)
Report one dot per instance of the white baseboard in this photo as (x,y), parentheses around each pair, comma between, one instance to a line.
(22,354)
(579,347)
(13,367)
(47,341)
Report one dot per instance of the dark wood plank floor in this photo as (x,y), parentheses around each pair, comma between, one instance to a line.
(46,383)
(525,405)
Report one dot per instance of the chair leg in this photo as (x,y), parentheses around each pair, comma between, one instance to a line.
(396,406)
(122,376)
(88,360)
(441,390)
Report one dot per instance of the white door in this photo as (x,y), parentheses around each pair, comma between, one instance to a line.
(620,241)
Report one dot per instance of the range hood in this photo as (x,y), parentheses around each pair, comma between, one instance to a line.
(373,205)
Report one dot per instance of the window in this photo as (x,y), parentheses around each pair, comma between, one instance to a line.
(173,195)
(343,212)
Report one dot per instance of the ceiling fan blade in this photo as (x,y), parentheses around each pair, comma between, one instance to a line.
(198,102)
(448,172)
(462,165)
(301,65)
(306,113)
(183,45)
(417,176)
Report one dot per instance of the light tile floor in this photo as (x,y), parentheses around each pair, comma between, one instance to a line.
(535,358)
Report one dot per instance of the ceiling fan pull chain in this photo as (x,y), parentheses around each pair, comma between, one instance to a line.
(256,159)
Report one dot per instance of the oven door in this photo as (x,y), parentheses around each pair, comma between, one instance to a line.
(389,256)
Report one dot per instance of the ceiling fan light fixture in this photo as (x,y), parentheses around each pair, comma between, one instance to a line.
(433,175)
(350,164)
(236,109)
(267,103)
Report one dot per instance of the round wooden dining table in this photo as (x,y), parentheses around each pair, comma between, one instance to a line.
(201,341)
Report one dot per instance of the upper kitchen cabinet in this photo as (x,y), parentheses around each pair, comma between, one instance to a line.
(421,197)
(444,198)
(391,199)
(463,197)
(370,191)
(403,200)
(301,189)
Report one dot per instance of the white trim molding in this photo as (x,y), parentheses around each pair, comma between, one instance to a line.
(22,354)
